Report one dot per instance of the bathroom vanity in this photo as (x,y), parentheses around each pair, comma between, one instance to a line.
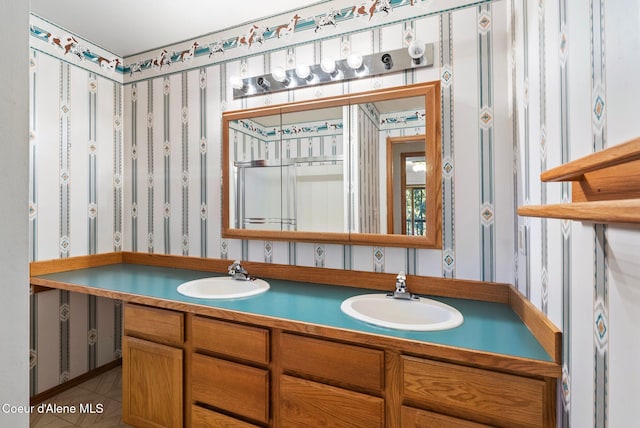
(290,357)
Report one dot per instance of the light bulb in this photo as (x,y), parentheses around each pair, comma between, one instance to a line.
(303,71)
(328,65)
(236,82)
(416,51)
(355,61)
(280,75)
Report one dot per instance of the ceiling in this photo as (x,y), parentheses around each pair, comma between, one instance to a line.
(126,27)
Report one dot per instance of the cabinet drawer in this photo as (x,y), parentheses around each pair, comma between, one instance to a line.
(344,364)
(416,418)
(308,403)
(229,386)
(235,340)
(495,398)
(205,418)
(159,325)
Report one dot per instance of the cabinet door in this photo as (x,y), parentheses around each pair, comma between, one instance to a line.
(151,384)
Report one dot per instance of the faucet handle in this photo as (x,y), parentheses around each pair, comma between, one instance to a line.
(238,272)
(401,282)
(401,291)
(235,267)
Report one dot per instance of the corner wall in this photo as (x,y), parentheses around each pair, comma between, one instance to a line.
(75,198)
(14,309)
(573,96)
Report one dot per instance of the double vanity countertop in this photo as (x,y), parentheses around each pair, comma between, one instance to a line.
(488,327)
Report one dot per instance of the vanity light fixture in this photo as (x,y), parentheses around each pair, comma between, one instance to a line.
(416,51)
(355,66)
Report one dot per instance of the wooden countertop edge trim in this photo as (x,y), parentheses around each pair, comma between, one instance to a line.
(549,336)
(475,358)
(74,263)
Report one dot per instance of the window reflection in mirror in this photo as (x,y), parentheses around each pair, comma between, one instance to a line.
(374,201)
(409,172)
(414,194)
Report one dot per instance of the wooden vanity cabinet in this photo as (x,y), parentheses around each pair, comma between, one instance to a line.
(230,381)
(240,375)
(152,367)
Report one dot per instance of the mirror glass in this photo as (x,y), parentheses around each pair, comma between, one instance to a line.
(361,169)
(413,194)
(406,185)
(288,172)
(255,166)
(314,170)
(372,123)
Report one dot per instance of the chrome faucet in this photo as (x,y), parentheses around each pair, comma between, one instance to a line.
(238,272)
(401,291)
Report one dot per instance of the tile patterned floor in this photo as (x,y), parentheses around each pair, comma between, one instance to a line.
(103,391)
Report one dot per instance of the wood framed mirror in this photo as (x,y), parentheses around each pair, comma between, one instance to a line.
(320,170)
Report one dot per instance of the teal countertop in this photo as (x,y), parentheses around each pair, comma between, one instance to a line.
(490,327)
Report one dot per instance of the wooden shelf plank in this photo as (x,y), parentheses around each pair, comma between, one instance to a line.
(619,211)
(574,170)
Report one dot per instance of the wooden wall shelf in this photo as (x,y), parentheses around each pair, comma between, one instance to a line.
(605,187)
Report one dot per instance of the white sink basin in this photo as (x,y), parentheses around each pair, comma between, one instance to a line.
(416,315)
(222,288)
